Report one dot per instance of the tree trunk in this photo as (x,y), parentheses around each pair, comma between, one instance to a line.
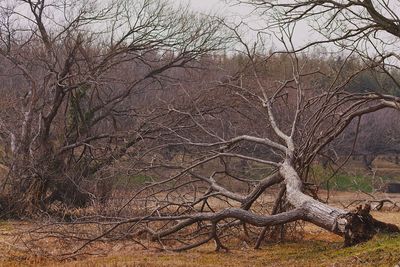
(36,181)
(356,226)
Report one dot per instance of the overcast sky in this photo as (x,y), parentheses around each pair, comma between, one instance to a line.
(205,5)
(219,7)
(216,7)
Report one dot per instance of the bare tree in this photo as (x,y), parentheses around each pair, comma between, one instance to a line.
(298,118)
(289,118)
(78,73)
(377,136)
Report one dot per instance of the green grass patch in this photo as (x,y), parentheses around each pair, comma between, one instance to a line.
(343,181)
(132,180)
(381,251)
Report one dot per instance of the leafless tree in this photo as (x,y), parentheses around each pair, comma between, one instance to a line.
(290,117)
(77,75)
(377,136)
(297,119)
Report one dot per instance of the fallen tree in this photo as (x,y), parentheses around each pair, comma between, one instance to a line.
(286,118)
(293,117)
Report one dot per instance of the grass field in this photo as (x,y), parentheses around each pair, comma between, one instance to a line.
(382,251)
(354,176)
(316,248)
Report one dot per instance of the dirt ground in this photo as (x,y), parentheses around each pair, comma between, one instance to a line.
(316,247)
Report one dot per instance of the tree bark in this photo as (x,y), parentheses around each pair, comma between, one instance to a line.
(356,226)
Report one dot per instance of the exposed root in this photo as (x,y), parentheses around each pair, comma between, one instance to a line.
(361,226)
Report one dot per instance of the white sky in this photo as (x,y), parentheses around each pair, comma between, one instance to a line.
(220,7)
(303,33)
(216,7)
(206,5)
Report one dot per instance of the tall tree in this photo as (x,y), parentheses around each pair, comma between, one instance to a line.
(298,116)
(78,73)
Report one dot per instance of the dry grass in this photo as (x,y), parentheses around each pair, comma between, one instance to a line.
(317,248)
(321,250)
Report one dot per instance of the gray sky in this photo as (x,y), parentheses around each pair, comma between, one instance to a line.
(217,7)
(205,5)
(303,33)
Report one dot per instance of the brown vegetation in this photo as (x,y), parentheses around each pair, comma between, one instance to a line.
(130,123)
(314,247)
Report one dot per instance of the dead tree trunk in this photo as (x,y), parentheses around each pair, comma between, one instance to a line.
(356,226)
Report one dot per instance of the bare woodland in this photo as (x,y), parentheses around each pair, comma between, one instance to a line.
(223,133)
